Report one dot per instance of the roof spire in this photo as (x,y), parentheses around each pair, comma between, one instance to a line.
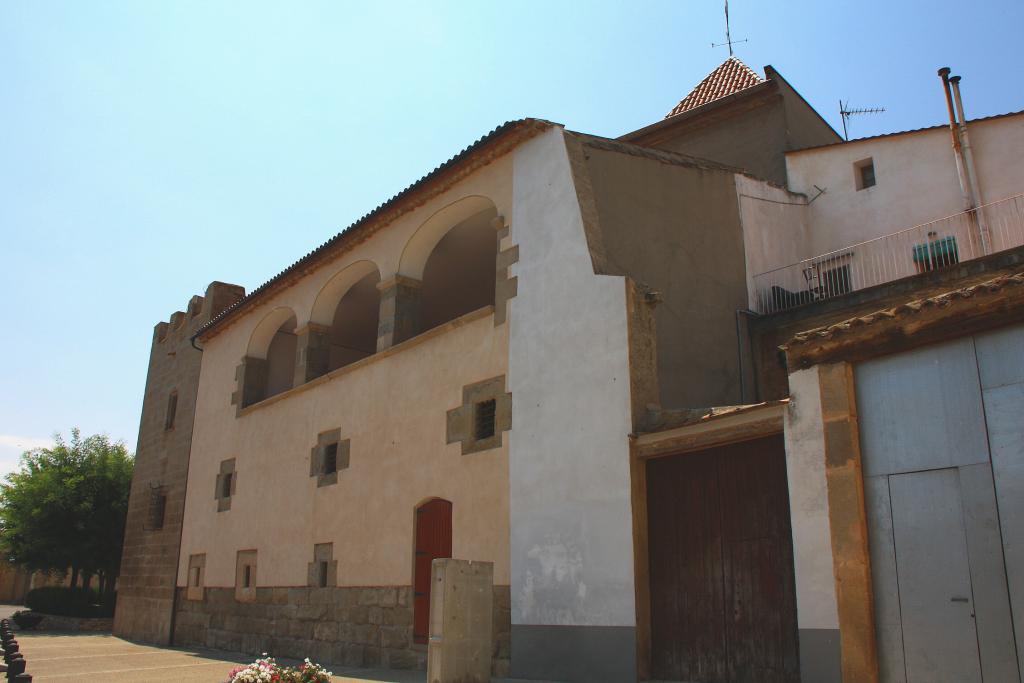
(728,38)
(730,77)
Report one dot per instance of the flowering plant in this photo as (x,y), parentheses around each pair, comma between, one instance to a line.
(266,670)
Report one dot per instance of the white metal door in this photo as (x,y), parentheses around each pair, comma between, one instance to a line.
(942,441)
(940,643)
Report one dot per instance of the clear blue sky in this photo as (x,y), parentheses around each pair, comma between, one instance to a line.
(147,148)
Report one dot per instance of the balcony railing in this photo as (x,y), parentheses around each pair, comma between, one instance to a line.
(939,244)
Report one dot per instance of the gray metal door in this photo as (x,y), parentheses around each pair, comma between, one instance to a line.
(940,643)
(942,441)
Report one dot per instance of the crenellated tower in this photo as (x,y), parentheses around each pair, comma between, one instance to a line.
(149,564)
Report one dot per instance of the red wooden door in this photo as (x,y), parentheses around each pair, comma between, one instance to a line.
(433,541)
(723,603)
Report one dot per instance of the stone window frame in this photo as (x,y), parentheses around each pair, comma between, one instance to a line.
(225,491)
(318,457)
(172,410)
(195,588)
(245,567)
(322,572)
(462,420)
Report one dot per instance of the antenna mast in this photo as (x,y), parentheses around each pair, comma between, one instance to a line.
(846,113)
(728,39)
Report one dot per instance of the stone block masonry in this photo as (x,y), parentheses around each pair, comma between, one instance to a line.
(149,564)
(339,626)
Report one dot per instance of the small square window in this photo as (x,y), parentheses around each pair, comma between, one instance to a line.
(330,463)
(328,457)
(245,576)
(194,589)
(864,173)
(483,423)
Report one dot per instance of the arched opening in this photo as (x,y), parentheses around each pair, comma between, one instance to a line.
(459,274)
(353,333)
(433,535)
(269,364)
(281,359)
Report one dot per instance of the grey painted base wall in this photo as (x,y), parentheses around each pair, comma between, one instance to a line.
(575,654)
(349,626)
(820,656)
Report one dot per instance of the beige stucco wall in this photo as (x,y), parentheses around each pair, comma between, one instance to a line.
(916,177)
(393,409)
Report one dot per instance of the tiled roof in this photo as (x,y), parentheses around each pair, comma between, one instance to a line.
(731,77)
(403,201)
(904,132)
(907,310)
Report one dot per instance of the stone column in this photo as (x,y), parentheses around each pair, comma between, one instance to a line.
(251,379)
(312,352)
(399,311)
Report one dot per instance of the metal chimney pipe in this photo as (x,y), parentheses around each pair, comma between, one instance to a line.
(972,172)
(961,169)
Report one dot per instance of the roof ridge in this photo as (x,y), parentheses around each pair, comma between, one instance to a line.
(729,77)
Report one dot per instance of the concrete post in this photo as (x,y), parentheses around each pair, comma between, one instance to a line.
(312,353)
(399,311)
(461,622)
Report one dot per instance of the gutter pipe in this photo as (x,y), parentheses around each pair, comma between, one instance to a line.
(972,173)
(961,169)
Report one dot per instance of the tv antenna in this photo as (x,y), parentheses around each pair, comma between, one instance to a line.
(845,112)
(728,39)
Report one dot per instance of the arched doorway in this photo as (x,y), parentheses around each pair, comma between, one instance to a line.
(433,541)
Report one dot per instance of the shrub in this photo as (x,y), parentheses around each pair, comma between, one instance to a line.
(266,670)
(68,602)
(26,620)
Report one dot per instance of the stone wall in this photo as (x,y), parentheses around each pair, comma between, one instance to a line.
(149,563)
(53,622)
(345,626)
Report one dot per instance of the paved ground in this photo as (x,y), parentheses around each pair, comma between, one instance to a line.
(101,657)
(73,657)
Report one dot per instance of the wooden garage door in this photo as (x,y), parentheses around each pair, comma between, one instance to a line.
(723,606)
(433,541)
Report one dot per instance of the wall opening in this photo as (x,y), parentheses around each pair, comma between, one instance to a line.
(864,173)
(433,541)
(354,326)
(459,274)
(281,359)
(172,410)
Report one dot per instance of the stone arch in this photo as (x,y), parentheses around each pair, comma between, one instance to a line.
(263,335)
(422,243)
(451,261)
(343,323)
(268,367)
(337,287)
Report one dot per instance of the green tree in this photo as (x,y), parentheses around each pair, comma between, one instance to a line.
(65,508)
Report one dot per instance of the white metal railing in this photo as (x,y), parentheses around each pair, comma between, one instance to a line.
(961,237)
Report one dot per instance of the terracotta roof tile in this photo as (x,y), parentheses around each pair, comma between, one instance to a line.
(731,77)
(907,310)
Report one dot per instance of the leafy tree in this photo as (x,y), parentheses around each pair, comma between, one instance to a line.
(66,508)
